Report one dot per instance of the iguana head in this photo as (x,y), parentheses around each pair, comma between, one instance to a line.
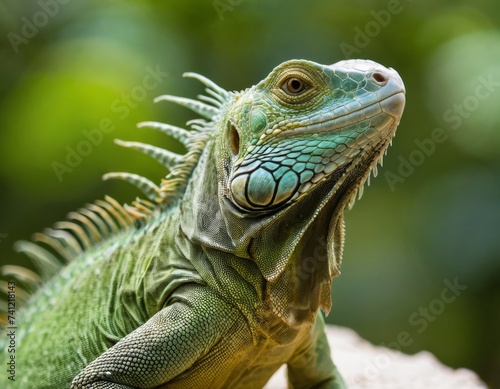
(290,154)
(303,124)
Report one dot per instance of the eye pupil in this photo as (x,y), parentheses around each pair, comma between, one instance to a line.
(294,86)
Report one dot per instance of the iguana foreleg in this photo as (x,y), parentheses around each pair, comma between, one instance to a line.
(313,363)
(168,344)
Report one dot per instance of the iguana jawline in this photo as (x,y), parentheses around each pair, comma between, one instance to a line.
(348,119)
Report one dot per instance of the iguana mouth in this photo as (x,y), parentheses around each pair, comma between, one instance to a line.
(343,117)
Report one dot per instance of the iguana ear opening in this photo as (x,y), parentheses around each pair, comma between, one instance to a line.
(234,139)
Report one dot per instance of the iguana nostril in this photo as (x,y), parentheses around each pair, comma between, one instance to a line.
(380,78)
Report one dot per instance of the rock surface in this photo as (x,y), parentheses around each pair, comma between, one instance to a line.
(365,366)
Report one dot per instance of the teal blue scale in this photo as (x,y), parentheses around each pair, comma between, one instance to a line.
(299,167)
(306,176)
(280,172)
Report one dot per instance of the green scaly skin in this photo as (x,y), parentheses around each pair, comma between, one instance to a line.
(223,281)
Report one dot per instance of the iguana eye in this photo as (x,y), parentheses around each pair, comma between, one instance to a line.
(294,86)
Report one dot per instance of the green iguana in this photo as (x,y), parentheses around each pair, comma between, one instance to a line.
(217,279)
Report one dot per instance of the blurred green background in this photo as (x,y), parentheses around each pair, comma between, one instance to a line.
(430,220)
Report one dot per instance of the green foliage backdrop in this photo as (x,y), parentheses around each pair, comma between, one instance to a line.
(422,265)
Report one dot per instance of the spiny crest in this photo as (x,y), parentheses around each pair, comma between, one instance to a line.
(94,224)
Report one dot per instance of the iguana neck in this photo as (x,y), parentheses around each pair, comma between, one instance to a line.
(296,268)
